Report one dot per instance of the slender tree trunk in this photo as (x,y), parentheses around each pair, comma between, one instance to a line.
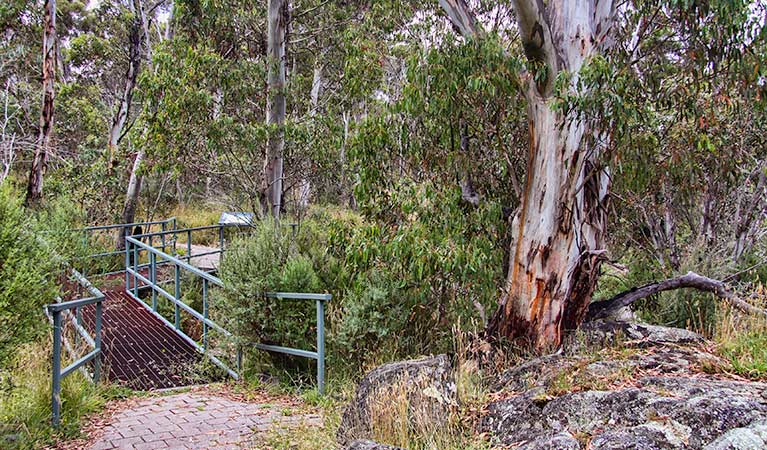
(560,227)
(131,197)
(747,211)
(43,148)
(316,88)
(122,114)
(7,139)
(271,194)
(139,36)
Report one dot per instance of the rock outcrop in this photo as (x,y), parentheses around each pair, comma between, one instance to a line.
(614,385)
(423,390)
(370,445)
(657,390)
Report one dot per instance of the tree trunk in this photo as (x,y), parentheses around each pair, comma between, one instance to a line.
(131,197)
(43,148)
(560,227)
(169,30)
(747,211)
(559,232)
(116,131)
(139,36)
(271,194)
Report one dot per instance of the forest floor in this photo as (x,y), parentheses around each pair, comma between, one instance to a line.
(215,416)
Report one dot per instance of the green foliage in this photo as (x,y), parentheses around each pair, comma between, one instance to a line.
(747,353)
(27,275)
(25,399)
(268,261)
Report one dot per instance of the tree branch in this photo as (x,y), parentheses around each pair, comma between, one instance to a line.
(599,310)
(462,18)
(535,34)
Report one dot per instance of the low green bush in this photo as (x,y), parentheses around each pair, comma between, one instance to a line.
(28,272)
(268,261)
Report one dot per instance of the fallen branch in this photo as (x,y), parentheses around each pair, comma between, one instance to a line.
(599,310)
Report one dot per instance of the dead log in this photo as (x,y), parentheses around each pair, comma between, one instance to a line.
(602,309)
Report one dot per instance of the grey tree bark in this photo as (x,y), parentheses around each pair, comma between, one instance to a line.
(43,148)
(560,227)
(122,112)
(7,137)
(278,16)
(602,309)
(136,177)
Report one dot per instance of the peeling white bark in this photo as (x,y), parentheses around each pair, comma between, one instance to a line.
(560,227)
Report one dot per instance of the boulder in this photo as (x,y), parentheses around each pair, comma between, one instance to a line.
(370,445)
(662,412)
(654,391)
(421,390)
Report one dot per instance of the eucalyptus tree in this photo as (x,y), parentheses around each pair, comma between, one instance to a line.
(136,43)
(44,140)
(559,228)
(691,178)
(577,113)
(278,18)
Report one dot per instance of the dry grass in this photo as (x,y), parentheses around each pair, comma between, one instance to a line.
(742,339)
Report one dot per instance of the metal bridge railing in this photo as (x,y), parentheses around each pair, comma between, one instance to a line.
(134,246)
(55,312)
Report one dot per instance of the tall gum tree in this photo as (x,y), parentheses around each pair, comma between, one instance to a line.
(559,229)
(138,44)
(278,16)
(122,112)
(43,148)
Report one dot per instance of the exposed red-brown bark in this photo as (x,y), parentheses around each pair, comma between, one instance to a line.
(44,140)
(559,229)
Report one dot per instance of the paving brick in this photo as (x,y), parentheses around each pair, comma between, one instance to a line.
(127,443)
(194,421)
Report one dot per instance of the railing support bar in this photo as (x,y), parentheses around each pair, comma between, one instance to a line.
(321,346)
(204,313)
(56,385)
(153,277)
(97,340)
(177,296)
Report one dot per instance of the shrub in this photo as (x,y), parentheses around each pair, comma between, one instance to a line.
(27,276)
(264,262)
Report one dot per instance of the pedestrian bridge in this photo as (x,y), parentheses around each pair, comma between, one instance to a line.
(126,313)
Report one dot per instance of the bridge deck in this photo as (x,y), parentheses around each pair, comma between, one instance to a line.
(140,351)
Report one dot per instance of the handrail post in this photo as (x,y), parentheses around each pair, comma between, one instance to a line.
(135,270)
(177,296)
(205,314)
(188,246)
(162,237)
(97,341)
(221,243)
(321,346)
(56,385)
(127,265)
(153,277)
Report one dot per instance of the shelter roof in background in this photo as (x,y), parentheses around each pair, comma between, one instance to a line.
(235,218)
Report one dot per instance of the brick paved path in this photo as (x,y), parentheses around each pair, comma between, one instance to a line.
(195,421)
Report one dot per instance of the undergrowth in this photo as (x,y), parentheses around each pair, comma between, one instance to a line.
(742,339)
(25,399)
